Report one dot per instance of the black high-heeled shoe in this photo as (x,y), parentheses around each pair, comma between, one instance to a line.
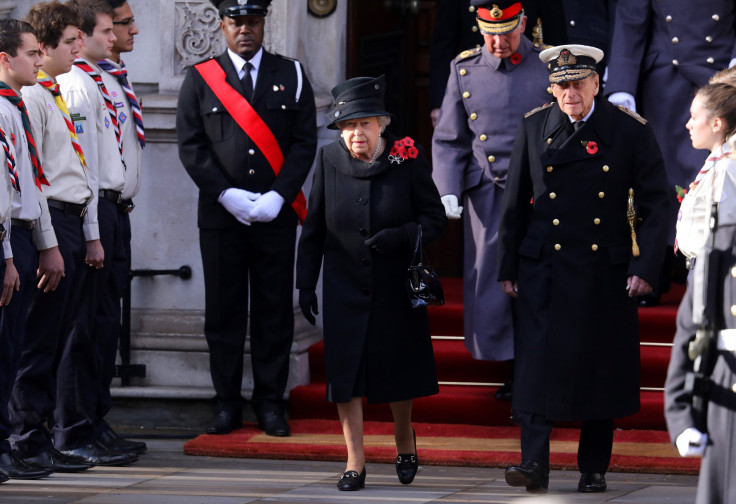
(351,481)
(407,464)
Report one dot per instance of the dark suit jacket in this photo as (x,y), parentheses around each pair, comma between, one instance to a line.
(218,154)
(577,341)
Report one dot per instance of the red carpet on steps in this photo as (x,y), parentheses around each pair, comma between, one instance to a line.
(464,424)
(442,444)
(465,394)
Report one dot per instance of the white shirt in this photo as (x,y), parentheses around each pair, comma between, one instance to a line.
(239,64)
(6,190)
(27,204)
(94,129)
(131,147)
(694,215)
(62,167)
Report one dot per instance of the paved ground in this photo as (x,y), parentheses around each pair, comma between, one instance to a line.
(166,476)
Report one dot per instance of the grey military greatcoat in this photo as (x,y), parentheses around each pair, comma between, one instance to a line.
(486,98)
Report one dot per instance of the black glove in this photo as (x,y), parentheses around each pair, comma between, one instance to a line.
(387,240)
(308,304)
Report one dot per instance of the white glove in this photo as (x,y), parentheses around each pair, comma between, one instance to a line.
(239,203)
(452,210)
(732,63)
(691,443)
(267,207)
(623,98)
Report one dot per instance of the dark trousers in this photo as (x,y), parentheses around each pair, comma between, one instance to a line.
(14,324)
(13,328)
(7,369)
(255,261)
(594,448)
(115,237)
(54,369)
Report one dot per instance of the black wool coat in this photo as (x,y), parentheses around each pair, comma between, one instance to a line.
(570,250)
(369,326)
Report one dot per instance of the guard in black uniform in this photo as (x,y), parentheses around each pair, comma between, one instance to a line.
(567,251)
(249,206)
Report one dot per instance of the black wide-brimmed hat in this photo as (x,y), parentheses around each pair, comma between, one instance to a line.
(497,17)
(235,8)
(356,98)
(570,62)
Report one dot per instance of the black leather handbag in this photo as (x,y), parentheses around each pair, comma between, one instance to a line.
(422,284)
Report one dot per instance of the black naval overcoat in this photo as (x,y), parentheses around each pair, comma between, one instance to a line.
(570,249)
(717,480)
(369,325)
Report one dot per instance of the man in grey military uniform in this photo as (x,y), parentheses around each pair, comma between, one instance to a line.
(488,92)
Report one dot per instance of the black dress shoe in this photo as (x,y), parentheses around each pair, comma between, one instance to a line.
(14,467)
(274,424)
(592,482)
(504,392)
(96,454)
(225,422)
(351,481)
(56,461)
(407,464)
(530,474)
(113,442)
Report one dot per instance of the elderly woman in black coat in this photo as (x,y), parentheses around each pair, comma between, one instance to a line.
(370,193)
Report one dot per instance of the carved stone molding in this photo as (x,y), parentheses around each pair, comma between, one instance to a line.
(197,33)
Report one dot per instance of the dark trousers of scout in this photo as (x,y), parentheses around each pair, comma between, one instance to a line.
(9,352)
(594,449)
(54,367)
(116,237)
(255,261)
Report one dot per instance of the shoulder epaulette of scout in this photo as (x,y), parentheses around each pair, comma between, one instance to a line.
(469,52)
(532,112)
(632,114)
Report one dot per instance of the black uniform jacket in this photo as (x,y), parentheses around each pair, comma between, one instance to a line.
(367,316)
(570,249)
(218,154)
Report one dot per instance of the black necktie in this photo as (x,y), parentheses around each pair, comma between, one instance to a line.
(578,124)
(247,81)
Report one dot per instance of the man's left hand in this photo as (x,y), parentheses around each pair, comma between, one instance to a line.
(637,286)
(50,269)
(267,207)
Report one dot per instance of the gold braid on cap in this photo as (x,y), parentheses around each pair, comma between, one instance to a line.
(631,217)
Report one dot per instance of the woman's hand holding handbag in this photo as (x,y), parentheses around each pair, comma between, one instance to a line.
(422,283)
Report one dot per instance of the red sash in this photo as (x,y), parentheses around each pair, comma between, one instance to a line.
(250,122)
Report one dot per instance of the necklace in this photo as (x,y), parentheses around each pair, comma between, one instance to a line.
(378,150)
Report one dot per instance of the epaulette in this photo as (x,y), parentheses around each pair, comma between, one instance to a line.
(541,46)
(532,112)
(632,114)
(468,52)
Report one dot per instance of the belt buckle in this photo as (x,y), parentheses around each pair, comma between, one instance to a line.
(83,212)
(120,198)
(3,235)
